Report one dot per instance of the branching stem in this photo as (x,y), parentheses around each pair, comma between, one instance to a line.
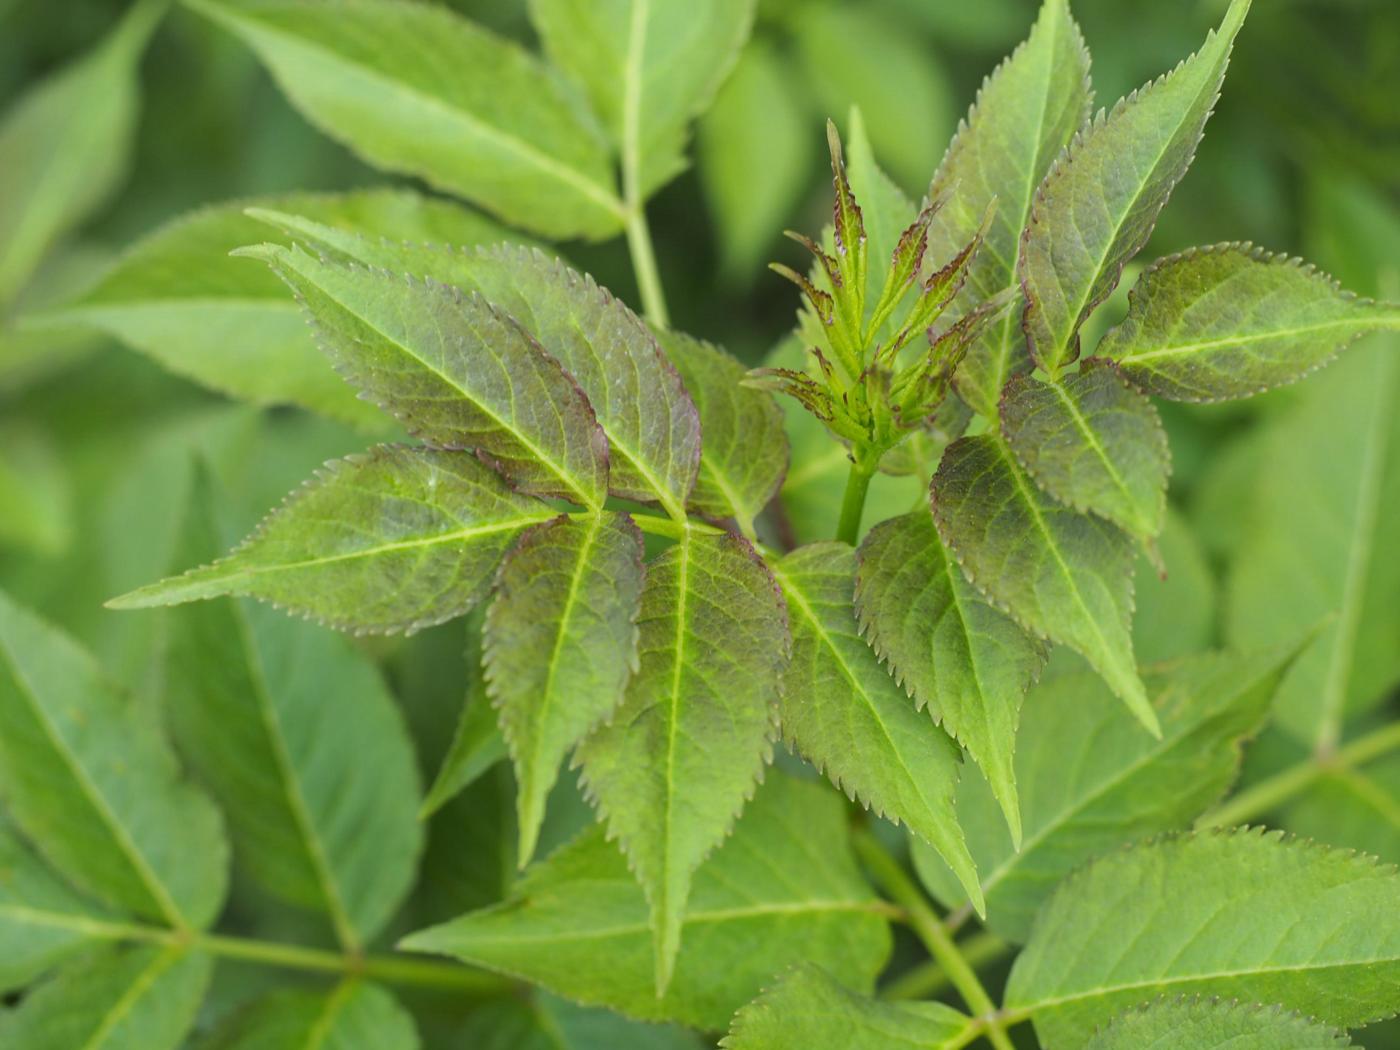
(892,878)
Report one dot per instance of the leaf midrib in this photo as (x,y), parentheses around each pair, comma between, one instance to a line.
(133,994)
(1366,325)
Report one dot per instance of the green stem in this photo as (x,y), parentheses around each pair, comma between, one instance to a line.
(394,969)
(853,503)
(1272,792)
(928,979)
(644,265)
(893,879)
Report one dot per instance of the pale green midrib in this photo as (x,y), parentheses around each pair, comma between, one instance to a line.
(139,987)
(1365,325)
(1368,499)
(85,924)
(199,576)
(527,772)
(1093,438)
(1122,218)
(1028,498)
(718,915)
(160,895)
(682,611)
(559,470)
(262,698)
(92,310)
(1215,975)
(532,155)
(794,592)
(1013,282)
(721,480)
(325,1020)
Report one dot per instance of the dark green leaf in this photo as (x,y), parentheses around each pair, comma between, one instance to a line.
(1231,320)
(966,663)
(560,643)
(393,540)
(352,1016)
(846,715)
(1097,206)
(673,767)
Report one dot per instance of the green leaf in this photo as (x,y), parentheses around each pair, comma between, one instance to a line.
(648,67)
(131,999)
(1026,113)
(36,495)
(1204,1024)
(279,718)
(886,210)
(753,158)
(177,296)
(673,767)
(960,659)
(1094,443)
(546,1022)
(1092,780)
(784,888)
(744,451)
(560,643)
(89,778)
(352,1016)
(455,371)
(392,540)
(64,146)
(844,713)
(1097,206)
(1246,915)
(43,921)
(1328,555)
(809,1009)
(1061,575)
(651,423)
(1231,320)
(867,58)
(417,89)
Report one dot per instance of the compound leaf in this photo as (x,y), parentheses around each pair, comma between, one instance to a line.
(1026,113)
(280,718)
(117,1000)
(647,66)
(1211,1024)
(454,370)
(1231,320)
(1244,915)
(808,1008)
(783,889)
(967,663)
(89,778)
(1062,575)
(417,89)
(1094,443)
(64,146)
(673,767)
(177,297)
(651,423)
(846,715)
(1328,557)
(744,451)
(559,643)
(352,1015)
(1097,206)
(392,540)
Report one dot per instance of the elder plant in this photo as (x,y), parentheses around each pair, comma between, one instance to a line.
(597,486)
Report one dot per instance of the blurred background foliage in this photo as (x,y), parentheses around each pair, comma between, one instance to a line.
(98,444)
